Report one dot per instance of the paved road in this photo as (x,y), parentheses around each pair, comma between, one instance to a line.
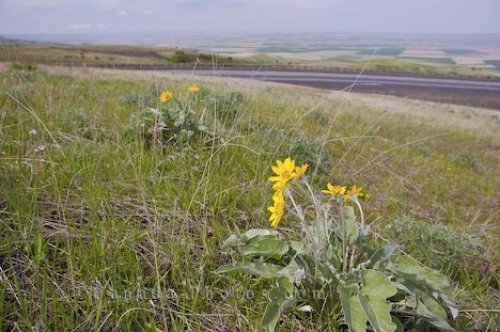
(482,93)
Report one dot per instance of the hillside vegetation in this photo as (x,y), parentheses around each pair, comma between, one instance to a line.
(107,223)
(133,56)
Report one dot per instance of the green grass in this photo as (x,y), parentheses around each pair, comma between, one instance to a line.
(99,232)
(459,51)
(447,61)
(495,63)
(77,54)
(387,51)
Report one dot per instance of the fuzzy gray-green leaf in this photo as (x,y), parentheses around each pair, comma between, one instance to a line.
(378,312)
(433,319)
(376,284)
(265,246)
(271,317)
(354,314)
(382,255)
(349,225)
(264,270)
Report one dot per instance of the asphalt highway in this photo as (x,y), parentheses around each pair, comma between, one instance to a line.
(481,93)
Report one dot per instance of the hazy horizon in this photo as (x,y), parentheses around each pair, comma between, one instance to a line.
(321,39)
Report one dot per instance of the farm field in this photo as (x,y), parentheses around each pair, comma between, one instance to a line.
(110,222)
(391,58)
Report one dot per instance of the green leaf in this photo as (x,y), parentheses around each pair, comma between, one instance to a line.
(354,314)
(381,255)
(407,266)
(271,316)
(376,289)
(376,284)
(378,312)
(433,319)
(286,286)
(239,240)
(424,278)
(399,326)
(293,272)
(280,297)
(319,231)
(265,246)
(232,241)
(297,246)
(350,227)
(264,270)
(433,306)
(251,233)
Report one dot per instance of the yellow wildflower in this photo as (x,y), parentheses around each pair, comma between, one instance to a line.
(353,192)
(285,171)
(193,88)
(277,209)
(300,171)
(334,190)
(166,96)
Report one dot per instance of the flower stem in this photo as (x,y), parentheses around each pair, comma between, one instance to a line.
(297,210)
(361,213)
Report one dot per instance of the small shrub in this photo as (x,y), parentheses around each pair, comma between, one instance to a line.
(226,106)
(441,247)
(421,148)
(310,152)
(73,120)
(467,162)
(23,66)
(173,123)
(24,71)
(332,266)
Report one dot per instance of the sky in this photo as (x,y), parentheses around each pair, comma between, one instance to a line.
(248,16)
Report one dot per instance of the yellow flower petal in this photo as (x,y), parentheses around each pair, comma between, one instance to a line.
(284,172)
(166,96)
(354,192)
(193,88)
(277,209)
(300,171)
(334,190)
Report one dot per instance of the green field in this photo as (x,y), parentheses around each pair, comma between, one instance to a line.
(390,51)
(97,218)
(459,51)
(387,59)
(495,63)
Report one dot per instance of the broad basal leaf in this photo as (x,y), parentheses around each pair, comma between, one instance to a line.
(382,255)
(376,284)
(271,316)
(433,319)
(378,312)
(264,270)
(280,298)
(239,240)
(424,278)
(377,288)
(265,246)
(354,314)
